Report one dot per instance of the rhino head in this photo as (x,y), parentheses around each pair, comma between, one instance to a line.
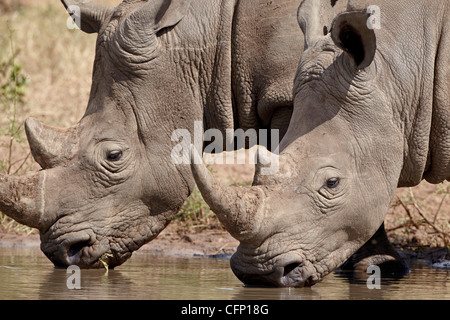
(349,144)
(108,184)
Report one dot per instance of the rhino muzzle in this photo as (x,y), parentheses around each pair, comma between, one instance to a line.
(82,250)
(288,272)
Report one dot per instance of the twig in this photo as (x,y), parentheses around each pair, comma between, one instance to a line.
(419,210)
(23,163)
(408,212)
(403,225)
(440,206)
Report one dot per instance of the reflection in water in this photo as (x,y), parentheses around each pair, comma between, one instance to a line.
(27,274)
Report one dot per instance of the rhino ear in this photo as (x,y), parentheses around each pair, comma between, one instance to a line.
(88,16)
(350,32)
(315,16)
(162,13)
(174,11)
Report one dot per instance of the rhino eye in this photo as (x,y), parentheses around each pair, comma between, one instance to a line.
(114,156)
(332,183)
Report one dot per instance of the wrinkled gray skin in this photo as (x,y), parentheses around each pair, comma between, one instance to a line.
(371,113)
(108,184)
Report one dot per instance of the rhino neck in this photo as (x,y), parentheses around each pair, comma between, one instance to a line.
(417,88)
(439,155)
(218,98)
(199,85)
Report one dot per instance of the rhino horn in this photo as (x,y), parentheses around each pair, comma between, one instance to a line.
(49,146)
(239,209)
(88,16)
(21,198)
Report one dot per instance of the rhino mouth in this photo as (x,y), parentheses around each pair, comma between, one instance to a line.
(289,272)
(292,275)
(83,252)
(296,275)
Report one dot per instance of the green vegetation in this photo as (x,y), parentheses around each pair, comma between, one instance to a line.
(103,259)
(13,83)
(12,91)
(196,214)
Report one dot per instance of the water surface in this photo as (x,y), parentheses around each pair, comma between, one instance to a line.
(25,273)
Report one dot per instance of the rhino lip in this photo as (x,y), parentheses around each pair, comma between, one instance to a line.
(296,279)
(292,273)
(296,275)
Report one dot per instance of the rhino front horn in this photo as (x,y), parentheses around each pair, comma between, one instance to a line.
(239,209)
(21,198)
(49,146)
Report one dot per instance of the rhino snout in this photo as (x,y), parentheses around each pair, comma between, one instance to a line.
(291,273)
(82,252)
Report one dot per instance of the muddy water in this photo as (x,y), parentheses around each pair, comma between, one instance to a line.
(26,274)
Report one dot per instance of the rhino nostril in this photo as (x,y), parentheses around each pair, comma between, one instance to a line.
(77,247)
(290,267)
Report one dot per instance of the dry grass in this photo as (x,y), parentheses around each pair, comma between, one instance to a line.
(420,216)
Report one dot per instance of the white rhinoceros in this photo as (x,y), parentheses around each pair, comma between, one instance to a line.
(371,113)
(109,184)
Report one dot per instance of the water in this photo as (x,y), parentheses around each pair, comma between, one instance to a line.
(25,273)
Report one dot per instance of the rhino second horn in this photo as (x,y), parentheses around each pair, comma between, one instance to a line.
(266,162)
(21,198)
(239,209)
(49,146)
